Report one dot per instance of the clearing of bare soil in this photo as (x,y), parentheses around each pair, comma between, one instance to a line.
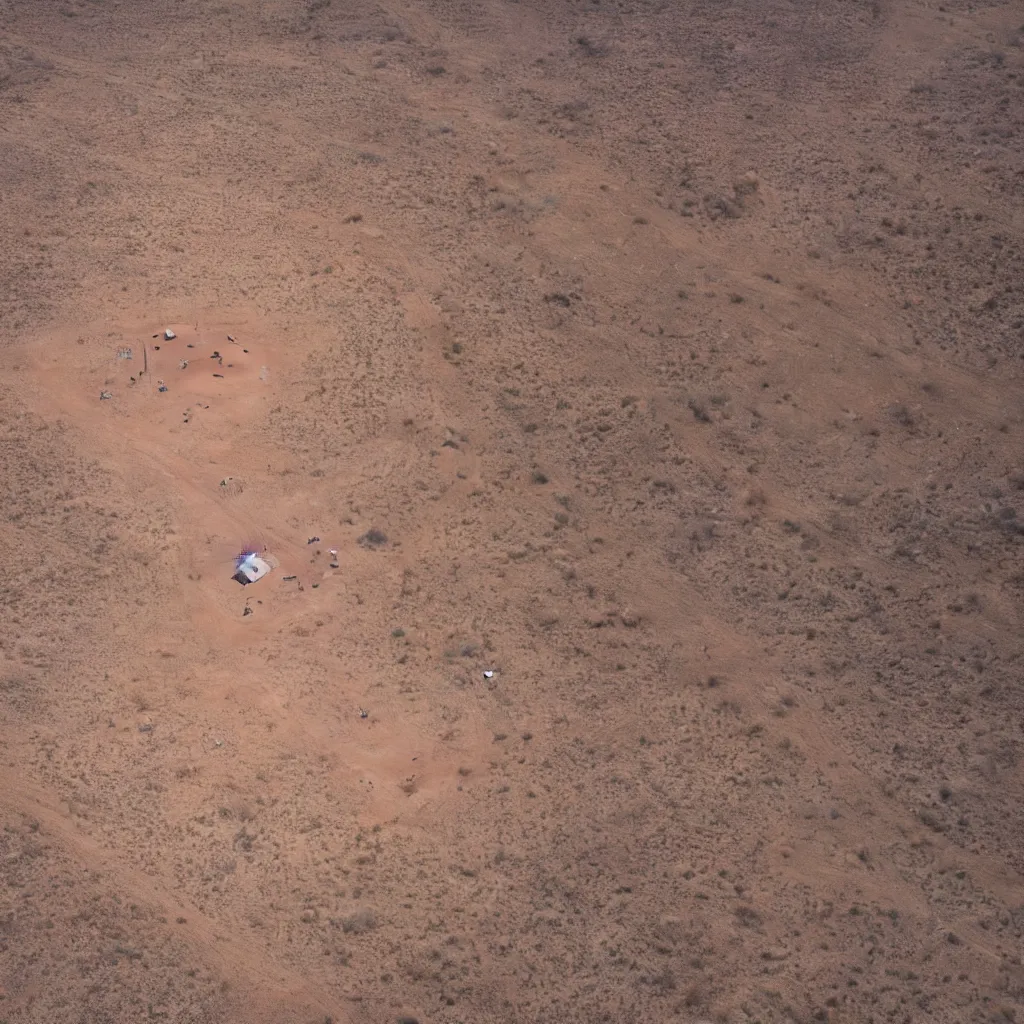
(628,400)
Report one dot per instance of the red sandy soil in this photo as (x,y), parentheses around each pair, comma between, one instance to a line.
(675,352)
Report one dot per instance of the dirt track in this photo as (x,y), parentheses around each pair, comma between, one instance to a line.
(674,351)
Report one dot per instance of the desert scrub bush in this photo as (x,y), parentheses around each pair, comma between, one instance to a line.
(699,410)
(902,415)
(359,923)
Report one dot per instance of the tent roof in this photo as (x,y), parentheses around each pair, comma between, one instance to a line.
(251,569)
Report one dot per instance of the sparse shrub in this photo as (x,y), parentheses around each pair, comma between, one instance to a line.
(747,916)
(746,186)
(699,410)
(590,47)
(664,981)
(719,206)
(359,923)
(694,997)
(373,538)
(902,415)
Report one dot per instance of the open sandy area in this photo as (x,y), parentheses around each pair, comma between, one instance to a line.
(654,369)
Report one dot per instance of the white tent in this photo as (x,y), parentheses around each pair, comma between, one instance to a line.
(250,569)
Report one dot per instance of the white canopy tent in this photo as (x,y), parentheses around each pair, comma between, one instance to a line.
(250,569)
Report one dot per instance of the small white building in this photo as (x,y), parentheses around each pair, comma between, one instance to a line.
(250,569)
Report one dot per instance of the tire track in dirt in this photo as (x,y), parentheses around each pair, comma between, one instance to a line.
(274,989)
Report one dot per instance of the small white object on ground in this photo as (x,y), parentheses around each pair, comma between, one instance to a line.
(488,674)
(169,334)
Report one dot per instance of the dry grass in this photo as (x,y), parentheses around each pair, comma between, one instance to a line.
(692,414)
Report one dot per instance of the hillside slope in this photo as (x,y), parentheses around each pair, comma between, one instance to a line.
(655,371)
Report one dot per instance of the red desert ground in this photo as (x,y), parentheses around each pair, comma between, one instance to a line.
(624,398)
